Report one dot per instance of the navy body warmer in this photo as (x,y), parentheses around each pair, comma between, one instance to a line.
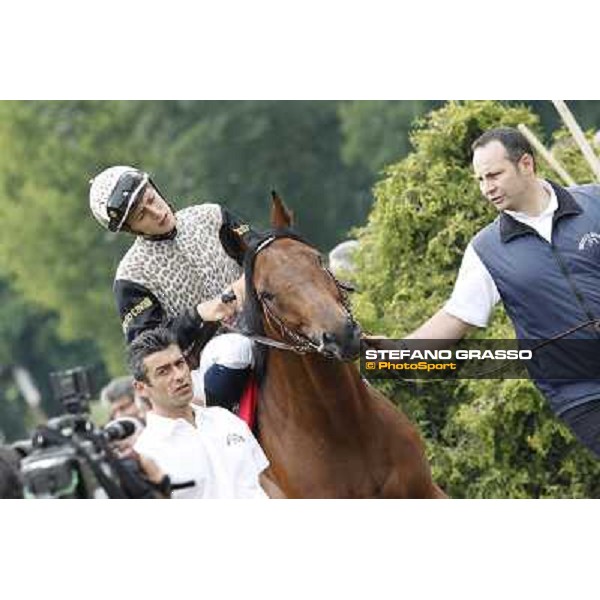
(549,288)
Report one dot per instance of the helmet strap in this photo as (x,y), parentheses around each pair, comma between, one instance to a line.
(159,238)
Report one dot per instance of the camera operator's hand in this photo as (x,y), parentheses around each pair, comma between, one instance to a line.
(154,474)
(141,478)
(124,448)
(150,469)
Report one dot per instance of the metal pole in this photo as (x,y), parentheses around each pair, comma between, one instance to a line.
(578,136)
(546,154)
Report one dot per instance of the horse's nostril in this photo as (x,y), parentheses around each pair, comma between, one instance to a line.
(328,338)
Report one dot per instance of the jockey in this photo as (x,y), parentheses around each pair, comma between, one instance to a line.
(183,271)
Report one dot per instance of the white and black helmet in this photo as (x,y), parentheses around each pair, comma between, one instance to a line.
(113,193)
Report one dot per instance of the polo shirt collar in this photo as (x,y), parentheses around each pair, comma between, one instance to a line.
(510,228)
(165,426)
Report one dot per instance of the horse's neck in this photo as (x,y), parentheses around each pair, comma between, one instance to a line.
(311,378)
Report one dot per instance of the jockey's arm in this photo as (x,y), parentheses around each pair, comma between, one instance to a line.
(140,310)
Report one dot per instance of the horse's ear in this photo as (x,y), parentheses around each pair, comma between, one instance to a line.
(281,217)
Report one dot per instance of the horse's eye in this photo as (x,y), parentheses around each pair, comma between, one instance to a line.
(266,296)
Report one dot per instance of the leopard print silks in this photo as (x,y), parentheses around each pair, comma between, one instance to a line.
(189,269)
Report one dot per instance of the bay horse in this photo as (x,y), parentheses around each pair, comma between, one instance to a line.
(326,431)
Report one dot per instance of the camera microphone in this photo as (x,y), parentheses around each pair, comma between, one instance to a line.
(120,429)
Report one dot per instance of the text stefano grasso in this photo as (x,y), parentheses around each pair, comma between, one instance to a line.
(459,354)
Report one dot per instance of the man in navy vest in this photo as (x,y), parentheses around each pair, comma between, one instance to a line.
(541,257)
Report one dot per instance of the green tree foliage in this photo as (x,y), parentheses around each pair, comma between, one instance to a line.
(376,132)
(487,438)
(236,152)
(587,113)
(29,339)
(54,253)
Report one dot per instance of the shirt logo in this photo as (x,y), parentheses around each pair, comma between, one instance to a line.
(234,438)
(589,240)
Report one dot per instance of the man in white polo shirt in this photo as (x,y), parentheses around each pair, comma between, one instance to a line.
(209,446)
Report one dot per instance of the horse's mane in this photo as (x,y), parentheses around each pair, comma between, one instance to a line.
(251,318)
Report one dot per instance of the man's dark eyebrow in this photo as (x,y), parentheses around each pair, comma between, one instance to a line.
(487,173)
(170,364)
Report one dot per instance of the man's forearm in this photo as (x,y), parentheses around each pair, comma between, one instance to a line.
(443,329)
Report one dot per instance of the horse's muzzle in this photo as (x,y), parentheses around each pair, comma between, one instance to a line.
(343,344)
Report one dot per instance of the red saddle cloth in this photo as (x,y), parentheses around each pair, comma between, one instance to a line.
(248,403)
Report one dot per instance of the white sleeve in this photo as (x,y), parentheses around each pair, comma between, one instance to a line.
(261,462)
(475,294)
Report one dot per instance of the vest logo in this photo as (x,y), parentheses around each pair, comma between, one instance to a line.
(589,240)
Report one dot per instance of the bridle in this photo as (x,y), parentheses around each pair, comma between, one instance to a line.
(293,340)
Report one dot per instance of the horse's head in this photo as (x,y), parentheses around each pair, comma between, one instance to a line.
(300,301)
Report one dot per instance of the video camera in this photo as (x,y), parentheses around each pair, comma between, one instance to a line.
(70,457)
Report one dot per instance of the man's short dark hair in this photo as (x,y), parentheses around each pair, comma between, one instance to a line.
(121,386)
(147,343)
(515,143)
(11,485)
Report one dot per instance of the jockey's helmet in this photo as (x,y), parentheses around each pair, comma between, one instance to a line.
(113,193)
